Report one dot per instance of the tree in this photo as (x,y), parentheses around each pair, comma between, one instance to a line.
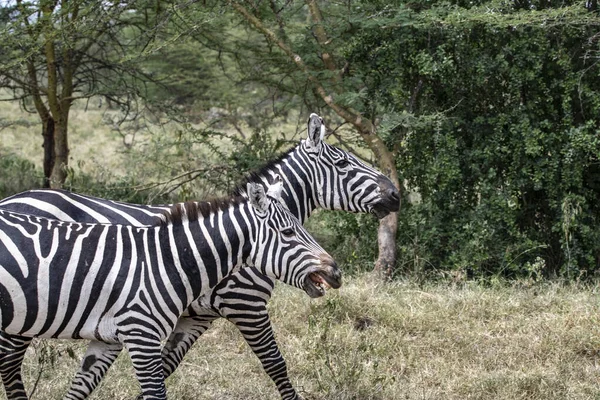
(484,139)
(302,49)
(53,53)
(504,144)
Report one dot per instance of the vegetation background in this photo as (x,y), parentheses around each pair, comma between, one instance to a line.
(485,113)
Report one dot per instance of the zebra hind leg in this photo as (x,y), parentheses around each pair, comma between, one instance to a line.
(12,352)
(97,360)
(185,334)
(146,360)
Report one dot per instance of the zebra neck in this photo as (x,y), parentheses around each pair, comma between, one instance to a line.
(298,176)
(207,250)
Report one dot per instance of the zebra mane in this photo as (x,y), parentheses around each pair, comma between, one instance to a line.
(193,210)
(255,176)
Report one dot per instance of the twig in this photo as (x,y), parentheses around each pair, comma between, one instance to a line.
(41,364)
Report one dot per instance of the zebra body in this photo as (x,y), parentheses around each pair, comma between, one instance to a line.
(125,285)
(314,175)
(91,300)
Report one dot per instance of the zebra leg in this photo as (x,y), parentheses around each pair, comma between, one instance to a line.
(97,360)
(12,352)
(256,328)
(185,334)
(145,357)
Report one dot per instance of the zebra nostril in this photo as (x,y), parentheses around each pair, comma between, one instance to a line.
(394,194)
(334,267)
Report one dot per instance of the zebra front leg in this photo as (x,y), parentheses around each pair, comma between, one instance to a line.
(12,352)
(97,360)
(258,332)
(185,334)
(146,360)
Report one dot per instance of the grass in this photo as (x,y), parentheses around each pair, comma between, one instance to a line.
(386,341)
(366,341)
(90,140)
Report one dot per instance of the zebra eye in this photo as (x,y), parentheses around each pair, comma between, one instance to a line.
(342,163)
(287,232)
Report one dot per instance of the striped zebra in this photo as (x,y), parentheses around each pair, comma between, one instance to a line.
(126,286)
(315,174)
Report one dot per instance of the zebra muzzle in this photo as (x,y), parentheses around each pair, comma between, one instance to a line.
(389,199)
(315,285)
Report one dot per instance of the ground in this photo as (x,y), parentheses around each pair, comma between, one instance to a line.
(398,340)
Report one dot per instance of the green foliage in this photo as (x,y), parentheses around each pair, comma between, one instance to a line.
(492,108)
(350,238)
(187,163)
(494,113)
(107,185)
(253,153)
(17,174)
(196,79)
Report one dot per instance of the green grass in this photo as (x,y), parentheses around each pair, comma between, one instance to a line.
(370,340)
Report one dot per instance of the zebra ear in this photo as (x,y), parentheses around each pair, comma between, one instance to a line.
(276,188)
(257,196)
(316,131)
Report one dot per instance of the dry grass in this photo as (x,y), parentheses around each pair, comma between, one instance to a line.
(389,341)
(91,141)
(366,341)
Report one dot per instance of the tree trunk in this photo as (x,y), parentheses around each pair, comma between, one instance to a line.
(61,154)
(386,238)
(59,99)
(388,226)
(48,134)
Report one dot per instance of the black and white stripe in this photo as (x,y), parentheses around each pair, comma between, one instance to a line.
(127,286)
(315,174)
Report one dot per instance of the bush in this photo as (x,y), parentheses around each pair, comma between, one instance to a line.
(17,174)
(501,138)
(351,239)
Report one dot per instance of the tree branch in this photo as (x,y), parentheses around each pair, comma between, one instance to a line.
(365,127)
(49,49)
(321,36)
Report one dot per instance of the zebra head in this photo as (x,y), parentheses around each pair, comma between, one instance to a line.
(343,182)
(284,249)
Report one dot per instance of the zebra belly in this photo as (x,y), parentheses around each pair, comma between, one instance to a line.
(29,312)
(18,318)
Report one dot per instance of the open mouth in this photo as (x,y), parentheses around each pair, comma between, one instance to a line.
(384,208)
(380,210)
(318,282)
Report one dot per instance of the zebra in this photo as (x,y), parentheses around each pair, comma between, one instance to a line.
(315,175)
(126,286)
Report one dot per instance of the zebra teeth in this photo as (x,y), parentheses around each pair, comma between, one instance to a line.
(319,281)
